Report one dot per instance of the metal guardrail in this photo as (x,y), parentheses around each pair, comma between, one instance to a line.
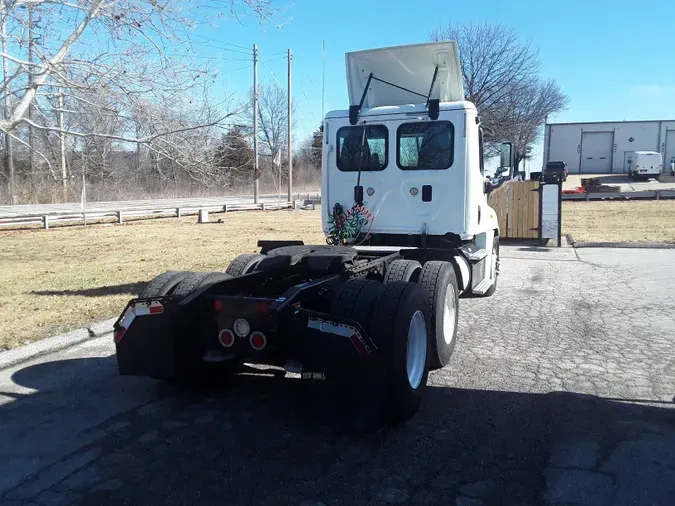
(637,195)
(56,218)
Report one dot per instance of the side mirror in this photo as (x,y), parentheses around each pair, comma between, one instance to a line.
(506,155)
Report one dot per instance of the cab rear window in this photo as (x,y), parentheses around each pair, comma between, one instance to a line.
(362,148)
(427,145)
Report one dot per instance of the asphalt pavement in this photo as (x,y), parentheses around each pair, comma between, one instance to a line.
(561,391)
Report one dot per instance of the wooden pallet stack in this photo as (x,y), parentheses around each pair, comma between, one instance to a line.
(594,185)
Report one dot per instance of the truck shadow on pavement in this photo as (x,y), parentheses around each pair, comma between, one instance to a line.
(267,440)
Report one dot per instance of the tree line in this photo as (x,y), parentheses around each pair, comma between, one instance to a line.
(121,91)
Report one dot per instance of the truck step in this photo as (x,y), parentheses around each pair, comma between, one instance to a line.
(477,255)
(483,286)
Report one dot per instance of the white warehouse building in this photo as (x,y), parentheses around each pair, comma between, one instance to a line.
(606,147)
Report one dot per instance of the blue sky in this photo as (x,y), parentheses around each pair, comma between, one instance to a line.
(613,58)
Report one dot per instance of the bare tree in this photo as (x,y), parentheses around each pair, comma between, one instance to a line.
(272,129)
(127,69)
(502,78)
(234,158)
(272,118)
(307,161)
(527,111)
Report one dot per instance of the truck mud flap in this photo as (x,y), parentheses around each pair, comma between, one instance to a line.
(332,343)
(144,338)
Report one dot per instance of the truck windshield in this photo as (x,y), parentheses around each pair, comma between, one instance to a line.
(425,145)
(355,152)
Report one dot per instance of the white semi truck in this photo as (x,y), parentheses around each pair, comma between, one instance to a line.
(409,231)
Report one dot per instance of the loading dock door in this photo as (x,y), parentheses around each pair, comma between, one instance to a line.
(596,152)
(670,150)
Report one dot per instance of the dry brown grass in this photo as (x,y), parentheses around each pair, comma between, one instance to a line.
(56,280)
(620,221)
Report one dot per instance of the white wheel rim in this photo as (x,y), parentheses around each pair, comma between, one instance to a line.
(416,354)
(449,315)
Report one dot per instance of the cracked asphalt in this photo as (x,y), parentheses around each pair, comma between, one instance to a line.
(561,391)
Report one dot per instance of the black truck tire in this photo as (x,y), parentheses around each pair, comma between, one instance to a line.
(440,285)
(244,264)
(495,265)
(196,280)
(163,284)
(401,327)
(403,270)
(191,369)
(356,300)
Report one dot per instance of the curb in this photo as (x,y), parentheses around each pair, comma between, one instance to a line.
(21,354)
(633,245)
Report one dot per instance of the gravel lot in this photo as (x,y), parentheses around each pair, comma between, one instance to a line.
(560,392)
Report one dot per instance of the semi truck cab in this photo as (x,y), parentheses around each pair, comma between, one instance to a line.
(408,151)
(408,229)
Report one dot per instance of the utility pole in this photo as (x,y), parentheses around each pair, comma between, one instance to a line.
(290,128)
(62,135)
(9,156)
(84,188)
(31,112)
(255,124)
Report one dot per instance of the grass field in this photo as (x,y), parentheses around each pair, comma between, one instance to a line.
(620,221)
(65,278)
(68,277)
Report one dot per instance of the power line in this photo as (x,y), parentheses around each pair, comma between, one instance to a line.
(219,58)
(273,60)
(241,68)
(210,41)
(220,48)
(310,79)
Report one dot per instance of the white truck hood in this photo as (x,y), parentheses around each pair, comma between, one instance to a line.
(410,67)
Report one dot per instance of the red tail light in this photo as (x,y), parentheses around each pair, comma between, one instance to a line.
(217,305)
(258,341)
(226,338)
